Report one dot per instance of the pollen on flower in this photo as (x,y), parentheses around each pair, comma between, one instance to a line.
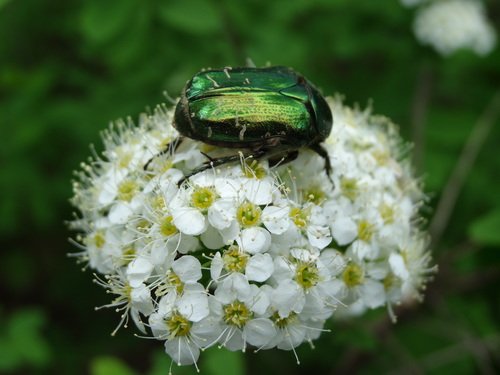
(382,157)
(353,275)
(365,230)
(254,170)
(203,197)
(165,165)
(167,227)
(234,259)
(299,216)
(236,314)
(172,282)
(306,274)
(314,194)
(349,187)
(128,254)
(178,325)
(387,213)
(99,239)
(143,225)
(125,159)
(248,214)
(283,322)
(158,203)
(127,190)
(389,281)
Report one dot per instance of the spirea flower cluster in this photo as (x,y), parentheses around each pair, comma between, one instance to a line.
(451,25)
(248,254)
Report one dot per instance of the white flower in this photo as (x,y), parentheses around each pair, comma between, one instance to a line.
(244,253)
(258,267)
(451,25)
(242,312)
(129,300)
(179,320)
(312,289)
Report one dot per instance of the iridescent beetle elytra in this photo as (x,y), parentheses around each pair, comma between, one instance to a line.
(269,112)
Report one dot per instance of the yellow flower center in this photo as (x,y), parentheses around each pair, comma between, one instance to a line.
(353,275)
(125,159)
(314,195)
(248,214)
(203,197)
(143,225)
(299,216)
(283,322)
(253,170)
(178,325)
(236,314)
(389,281)
(382,157)
(387,213)
(128,254)
(167,227)
(127,190)
(123,291)
(234,259)
(158,203)
(172,281)
(349,187)
(365,230)
(306,274)
(99,239)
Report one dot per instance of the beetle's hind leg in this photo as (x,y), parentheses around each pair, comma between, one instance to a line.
(169,149)
(320,150)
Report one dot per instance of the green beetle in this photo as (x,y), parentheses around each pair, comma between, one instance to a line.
(270,112)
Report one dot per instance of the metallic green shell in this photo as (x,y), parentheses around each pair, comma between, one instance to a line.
(248,107)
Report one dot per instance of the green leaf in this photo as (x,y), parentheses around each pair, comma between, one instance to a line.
(197,17)
(24,331)
(103,20)
(22,345)
(109,366)
(486,230)
(9,357)
(217,361)
(3,3)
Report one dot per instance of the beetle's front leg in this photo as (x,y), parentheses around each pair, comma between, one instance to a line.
(169,149)
(320,150)
(215,162)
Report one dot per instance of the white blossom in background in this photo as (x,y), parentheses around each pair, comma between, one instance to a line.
(249,254)
(412,3)
(451,25)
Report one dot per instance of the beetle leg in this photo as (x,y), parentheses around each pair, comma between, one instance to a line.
(286,158)
(169,149)
(215,162)
(320,150)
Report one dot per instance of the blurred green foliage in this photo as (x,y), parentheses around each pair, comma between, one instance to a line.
(68,68)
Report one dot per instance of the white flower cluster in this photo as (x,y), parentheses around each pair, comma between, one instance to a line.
(451,25)
(248,254)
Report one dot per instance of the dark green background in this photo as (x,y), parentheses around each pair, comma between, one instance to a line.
(69,67)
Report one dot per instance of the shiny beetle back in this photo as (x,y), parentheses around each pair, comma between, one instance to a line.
(254,108)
